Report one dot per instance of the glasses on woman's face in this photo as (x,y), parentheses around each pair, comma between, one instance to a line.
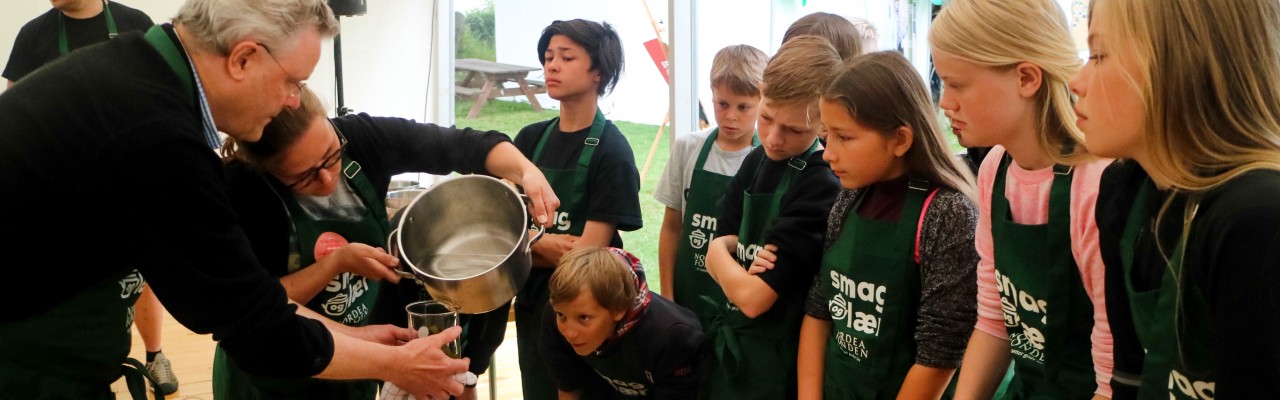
(298,86)
(312,174)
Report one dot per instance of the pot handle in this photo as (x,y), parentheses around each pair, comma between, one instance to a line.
(391,244)
(395,251)
(541,230)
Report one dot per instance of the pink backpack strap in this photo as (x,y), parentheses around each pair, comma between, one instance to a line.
(920,225)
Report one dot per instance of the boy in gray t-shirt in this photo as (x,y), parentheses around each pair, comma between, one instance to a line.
(700,168)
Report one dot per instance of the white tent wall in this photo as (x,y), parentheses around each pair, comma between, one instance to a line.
(387,57)
(386,54)
(641,94)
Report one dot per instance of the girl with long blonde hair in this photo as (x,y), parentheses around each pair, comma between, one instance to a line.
(1184,92)
(1041,305)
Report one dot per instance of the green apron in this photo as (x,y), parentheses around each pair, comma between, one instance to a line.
(701,208)
(571,186)
(348,299)
(77,349)
(1047,313)
(64,48)
(871,284)
(1178,364)
(755,358)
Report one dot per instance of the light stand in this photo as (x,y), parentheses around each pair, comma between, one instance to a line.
(340,9)
(337,70)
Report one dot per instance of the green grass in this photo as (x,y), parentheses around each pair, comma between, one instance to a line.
(509,117)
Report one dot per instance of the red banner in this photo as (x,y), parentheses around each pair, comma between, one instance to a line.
(659,57)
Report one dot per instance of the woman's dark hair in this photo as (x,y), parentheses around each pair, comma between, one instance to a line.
(599,40)
(283,131)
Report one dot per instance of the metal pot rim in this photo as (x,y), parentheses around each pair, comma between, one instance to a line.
(400,227)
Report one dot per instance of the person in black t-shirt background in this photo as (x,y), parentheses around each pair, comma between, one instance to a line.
(607,336)
(69,25)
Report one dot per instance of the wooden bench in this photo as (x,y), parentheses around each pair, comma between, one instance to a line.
(488,80)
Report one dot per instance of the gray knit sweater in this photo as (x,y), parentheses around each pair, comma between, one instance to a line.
(948,268)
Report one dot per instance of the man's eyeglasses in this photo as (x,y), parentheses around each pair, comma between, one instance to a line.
(295,92)
(313,173)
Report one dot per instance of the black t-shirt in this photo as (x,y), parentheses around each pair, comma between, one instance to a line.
(660,358)
(1233,257)
(801,220)
(37,41)
(613,183)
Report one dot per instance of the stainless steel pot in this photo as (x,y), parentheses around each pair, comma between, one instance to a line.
(467,241)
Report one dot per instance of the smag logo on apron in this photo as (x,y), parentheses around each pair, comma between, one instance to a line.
(697,238)
(1190,388)
(131,285)
(348,287)
(563,223)
(626,388)
(867,292)
(1030,342)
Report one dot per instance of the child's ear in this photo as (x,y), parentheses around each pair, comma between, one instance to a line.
(903,137)
(617,315)
(1030,77)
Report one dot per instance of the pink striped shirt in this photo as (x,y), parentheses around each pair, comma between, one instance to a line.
(1028,194)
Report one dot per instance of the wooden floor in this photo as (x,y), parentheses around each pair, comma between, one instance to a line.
(191,356)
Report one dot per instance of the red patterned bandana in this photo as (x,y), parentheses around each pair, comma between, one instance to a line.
(642,292)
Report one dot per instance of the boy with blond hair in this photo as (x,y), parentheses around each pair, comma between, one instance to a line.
(867,33)
(770,230)
(702,164)
(607,336)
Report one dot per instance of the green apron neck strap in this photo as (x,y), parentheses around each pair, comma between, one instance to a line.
(377,206)
(706,148)
(159,39)
(64,48)
(593,139)
(359,183)
(1059,196)
(797,165)
(1060,202)
(1135,226)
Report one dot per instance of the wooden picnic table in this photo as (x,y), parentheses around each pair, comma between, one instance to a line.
(487,80)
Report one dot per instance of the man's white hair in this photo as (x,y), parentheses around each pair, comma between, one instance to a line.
(217,25)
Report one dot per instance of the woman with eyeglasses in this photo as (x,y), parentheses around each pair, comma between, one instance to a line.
(310,196)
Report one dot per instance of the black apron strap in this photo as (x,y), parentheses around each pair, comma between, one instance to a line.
(136,377)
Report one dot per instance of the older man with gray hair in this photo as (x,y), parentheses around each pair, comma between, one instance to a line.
(106,166)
